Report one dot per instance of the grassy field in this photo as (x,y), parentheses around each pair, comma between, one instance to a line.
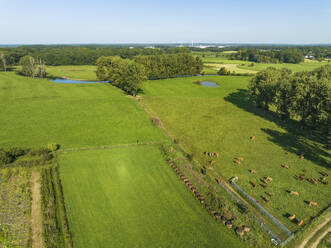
(222,120)
(15,202)
(35,112)
(130,197)
(78,72)
(240,66)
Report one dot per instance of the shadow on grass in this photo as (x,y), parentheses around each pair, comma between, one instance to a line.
(295,140)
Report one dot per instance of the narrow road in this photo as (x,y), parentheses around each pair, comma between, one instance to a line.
(36,223)
(315,244)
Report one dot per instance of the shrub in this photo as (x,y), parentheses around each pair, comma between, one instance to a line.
(5,158)
(53,147)
(223,71)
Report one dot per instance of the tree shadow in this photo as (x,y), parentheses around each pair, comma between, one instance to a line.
(296,140)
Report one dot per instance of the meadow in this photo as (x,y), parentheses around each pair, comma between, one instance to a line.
(222,120)
(78,72)
(212,65)
(35,112)
(130,197)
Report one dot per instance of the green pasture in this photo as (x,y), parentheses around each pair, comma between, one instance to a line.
(222,120)
(130,197)
(35,112)
(78,72)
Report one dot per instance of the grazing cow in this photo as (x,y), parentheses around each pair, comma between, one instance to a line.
(266,199)
(301,177)
(252,137)
(292,217)
(265,181)
(216,154)
(302,156)
(240,158)
(264,185)
(253,184)
(312,203)
(286,166)
(294,193)
(211,162)
(269,178)
(270,194)
(312,180)
(253,171)
(237,162)
(300,222)
(186,180)
(324,173)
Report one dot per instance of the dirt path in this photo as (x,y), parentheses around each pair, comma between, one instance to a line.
(315,244)
(36,222)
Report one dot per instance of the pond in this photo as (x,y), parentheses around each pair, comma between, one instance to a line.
(69,81)
(208,84)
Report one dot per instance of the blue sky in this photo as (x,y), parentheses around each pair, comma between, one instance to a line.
(174,21)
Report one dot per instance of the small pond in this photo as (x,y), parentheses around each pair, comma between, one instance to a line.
(69,81)
(208,84)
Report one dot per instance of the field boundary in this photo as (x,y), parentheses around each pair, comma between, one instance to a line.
(36,218)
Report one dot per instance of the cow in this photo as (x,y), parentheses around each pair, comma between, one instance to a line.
(294,193)
(312,203)
(211,162)
(263,185)
(253,184)
(252,137)
(300,222)
(266,199)
(292,217)
(216,154)
(269,178)
(286,166)
(265,181)
(237,162)
(302,156)
(240,158)
(270,194)
(253,171)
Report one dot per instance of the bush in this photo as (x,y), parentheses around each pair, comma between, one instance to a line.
(16,152)
(53,147)
(5,158)
(223,71)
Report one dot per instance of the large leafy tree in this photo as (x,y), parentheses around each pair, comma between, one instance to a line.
(28,66)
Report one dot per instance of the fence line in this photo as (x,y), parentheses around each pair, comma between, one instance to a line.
(273,219)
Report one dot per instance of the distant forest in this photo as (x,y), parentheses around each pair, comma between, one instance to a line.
(88,54)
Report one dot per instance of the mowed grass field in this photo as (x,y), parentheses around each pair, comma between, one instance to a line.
(130,197)
(78,72)
(35,112)
(212,65)
(222,120)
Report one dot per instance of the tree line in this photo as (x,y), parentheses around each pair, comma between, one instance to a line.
(128,75)
(79,55)
(170,65)
(304,96)
(293,56)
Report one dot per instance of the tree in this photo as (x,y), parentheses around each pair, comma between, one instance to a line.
(3,61)
(28,66)
(41,68)
(223,71)
(122,73)
(285,91)
(262,87)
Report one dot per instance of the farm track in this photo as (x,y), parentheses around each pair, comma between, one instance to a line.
(315,244)
(36,222)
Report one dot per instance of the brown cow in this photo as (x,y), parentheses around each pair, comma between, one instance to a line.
(216,154)
(252,137)
(240,158)
(270,194)
(292,217)
(300,222)
(237,162)
(253,171)
(312,203)
(302,156)
(294,193)
(266,199)
(269,178)
(253,184)
(265,181)
(211,162)
(286,166)
(263,185)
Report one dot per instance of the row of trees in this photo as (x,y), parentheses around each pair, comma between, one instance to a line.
(32,67)
(269,56)
(80,55)
(170,65)
(123,73)
(304,95)
(129,74)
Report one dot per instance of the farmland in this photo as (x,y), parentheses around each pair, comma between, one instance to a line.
(223,119)
(130,197)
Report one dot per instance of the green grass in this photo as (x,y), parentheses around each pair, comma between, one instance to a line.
(222,120)
(35,112)
(78,72)
(129,197)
